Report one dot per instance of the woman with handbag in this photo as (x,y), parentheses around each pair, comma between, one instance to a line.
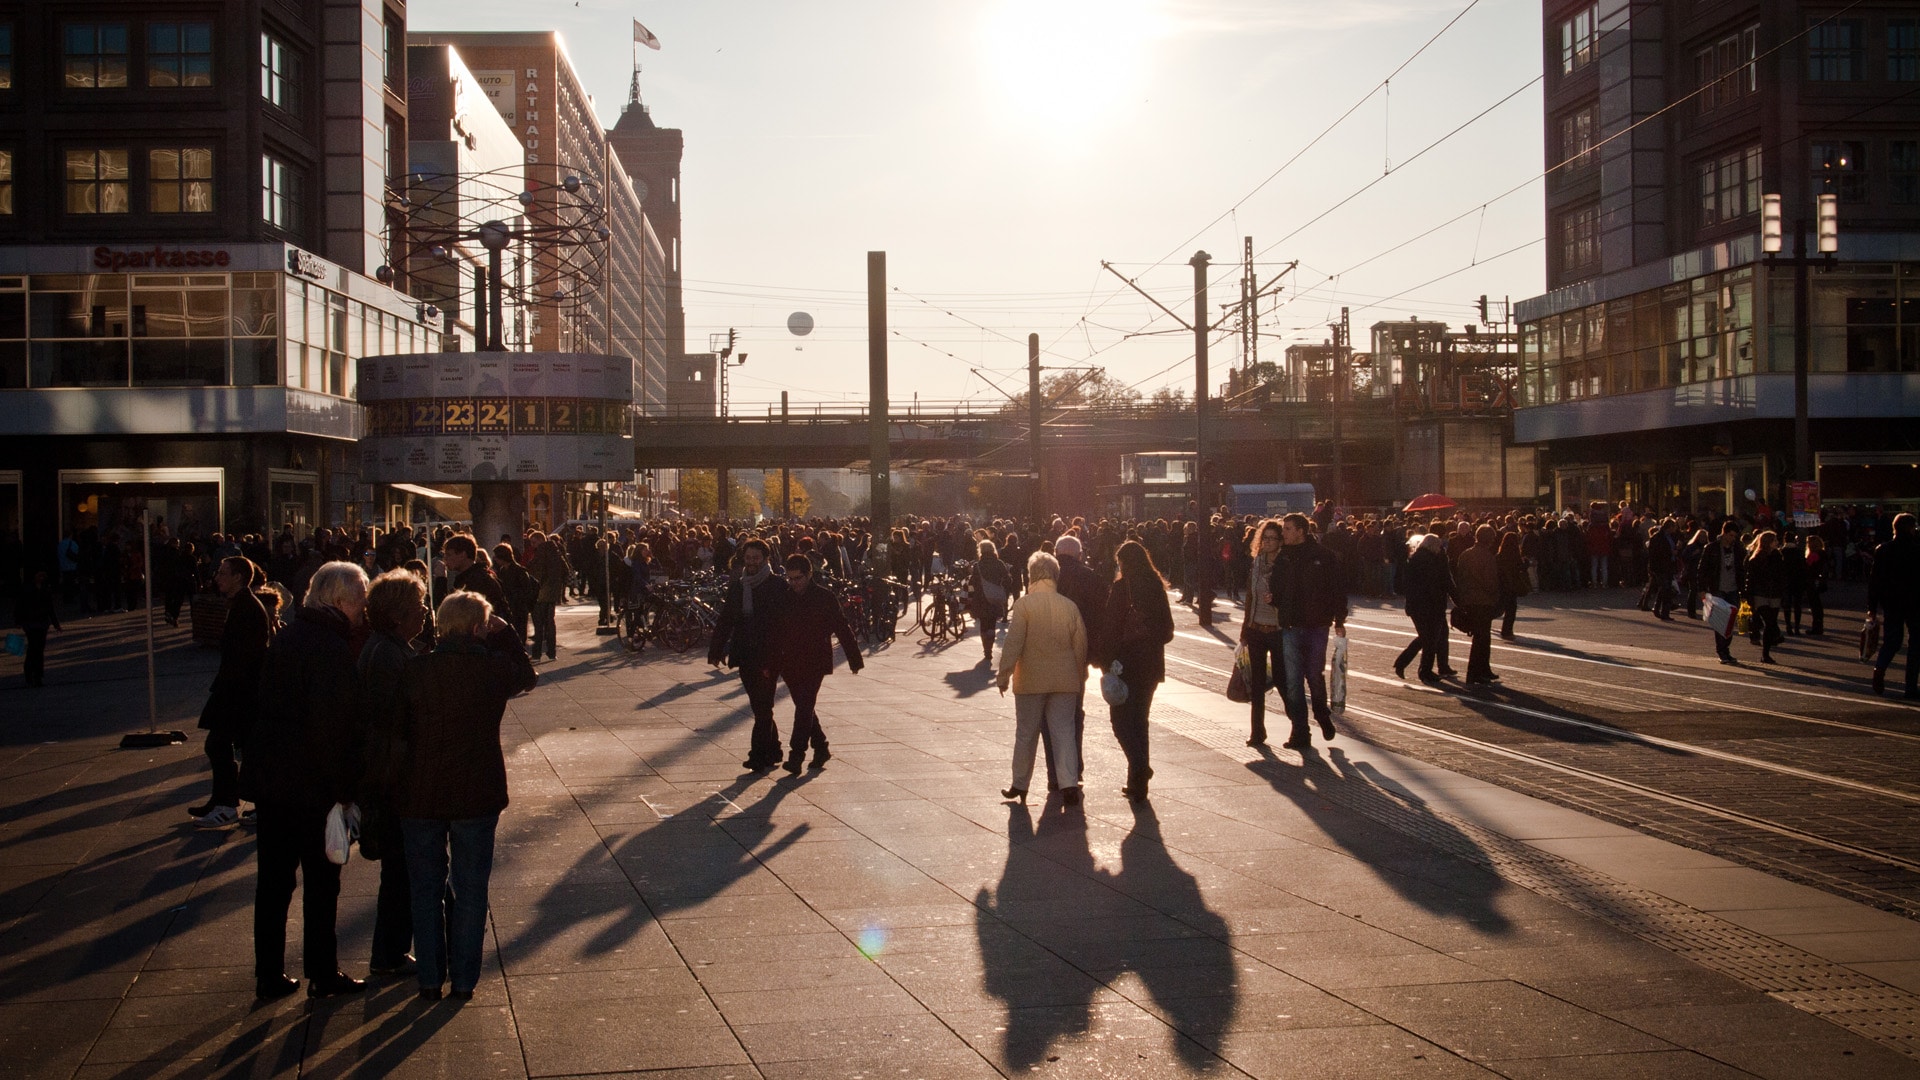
(1260,630)
(1045,661)
(987,589)
(1135,629)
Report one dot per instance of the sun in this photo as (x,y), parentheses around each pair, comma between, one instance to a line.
(1061,63)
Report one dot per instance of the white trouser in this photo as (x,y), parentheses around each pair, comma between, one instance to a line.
(1056,711)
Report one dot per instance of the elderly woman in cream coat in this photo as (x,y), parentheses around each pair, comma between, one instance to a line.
(1045,660)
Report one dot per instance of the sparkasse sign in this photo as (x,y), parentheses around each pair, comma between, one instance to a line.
(106,258)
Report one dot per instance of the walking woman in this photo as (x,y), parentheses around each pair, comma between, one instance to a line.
(1766,584)
(454,785)
(1134,632)
(1260,630)
(1428,587)
(1513,580)
(987,591)
(1045,660)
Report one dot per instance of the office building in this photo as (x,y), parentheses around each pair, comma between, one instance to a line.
(192,209)
(1659,365)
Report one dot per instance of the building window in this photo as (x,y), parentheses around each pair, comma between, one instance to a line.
(1840,168)
(179,54)
(1728,70)
(6,183)
(6,56)
(180,180)
(1903,172)
(1579,239)
(279,74)
(1579,36)
(1837,51)
(1576,137)
(1729,187)
(97,182)
(96,55)
(281,192)
(1903,50)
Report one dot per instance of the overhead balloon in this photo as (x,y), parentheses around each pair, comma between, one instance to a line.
(800,323)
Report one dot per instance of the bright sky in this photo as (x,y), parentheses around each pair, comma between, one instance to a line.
(999,150)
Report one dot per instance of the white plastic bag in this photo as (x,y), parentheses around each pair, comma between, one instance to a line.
(1337,673)
(1112,687)
(343,827)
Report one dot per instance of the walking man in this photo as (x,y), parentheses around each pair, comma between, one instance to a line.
(1893,591)
(235,697)
(805,623)
(1309,595)
(741,640)
(1722,571)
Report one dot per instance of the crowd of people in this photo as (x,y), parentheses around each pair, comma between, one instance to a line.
(371,670)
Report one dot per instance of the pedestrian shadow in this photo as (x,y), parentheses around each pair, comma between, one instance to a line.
(1495,704)
(969,681)
(675,864)
(1415,851)
(1025,936)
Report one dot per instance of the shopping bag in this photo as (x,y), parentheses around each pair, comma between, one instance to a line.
(1870,640)
(16,644)
(1337,673)
(1720,616)
(1239,687)
(1112,687)
(343,824)
(1743,621)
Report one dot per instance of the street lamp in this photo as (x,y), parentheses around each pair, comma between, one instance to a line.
(1827,226)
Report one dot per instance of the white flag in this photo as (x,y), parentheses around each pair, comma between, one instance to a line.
(645,36)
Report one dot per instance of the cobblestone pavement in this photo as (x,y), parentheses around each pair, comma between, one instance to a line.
(1594,657)
(655,911)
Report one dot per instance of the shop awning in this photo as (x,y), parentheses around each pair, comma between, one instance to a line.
(416,489)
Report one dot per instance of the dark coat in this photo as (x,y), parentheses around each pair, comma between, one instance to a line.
(519,587)
(382,665)
(1309,586)
(479,579)
(1894,585)
(1766,576)
(304,751)
(1135,631)
(988,569)
(1086,589)
(455,698)
(802,632)
(234,701)
(1706,569)
(737,639)
(1429,583)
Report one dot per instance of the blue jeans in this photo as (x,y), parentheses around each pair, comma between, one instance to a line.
(449,895)
(1304,651)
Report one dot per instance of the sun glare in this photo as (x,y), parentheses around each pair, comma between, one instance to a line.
(1059,63)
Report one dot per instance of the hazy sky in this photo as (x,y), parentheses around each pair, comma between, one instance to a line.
(999,150)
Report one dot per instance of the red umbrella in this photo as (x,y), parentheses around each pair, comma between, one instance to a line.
(1430,501)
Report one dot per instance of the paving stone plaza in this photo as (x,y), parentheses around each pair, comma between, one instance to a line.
(657,911)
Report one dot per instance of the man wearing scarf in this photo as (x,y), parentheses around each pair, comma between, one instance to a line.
(740,639)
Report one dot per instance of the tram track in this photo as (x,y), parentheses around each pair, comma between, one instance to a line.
(1619,783)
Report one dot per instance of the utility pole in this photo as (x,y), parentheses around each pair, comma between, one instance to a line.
(879,478)
(1249,310)
(1033,422)
(1342,348)
(1199,262)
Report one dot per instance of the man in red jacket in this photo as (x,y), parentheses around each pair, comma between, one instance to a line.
(802,632)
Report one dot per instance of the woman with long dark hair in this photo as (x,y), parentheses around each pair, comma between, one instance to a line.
(1260,629)
(1134,632)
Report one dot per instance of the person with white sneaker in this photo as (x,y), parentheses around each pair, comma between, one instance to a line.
(235,697)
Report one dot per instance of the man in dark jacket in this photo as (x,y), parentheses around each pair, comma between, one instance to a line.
(740,639)
(303,756)
(235,698)
(1721,571)
(1309,596)
(1089,594)
(1893,591)
(804,626)
(466,571)
(1476,584)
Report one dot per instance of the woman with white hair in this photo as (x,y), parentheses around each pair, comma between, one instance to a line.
(302,757)
(454,784)
(1045,661)
(1429,586)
